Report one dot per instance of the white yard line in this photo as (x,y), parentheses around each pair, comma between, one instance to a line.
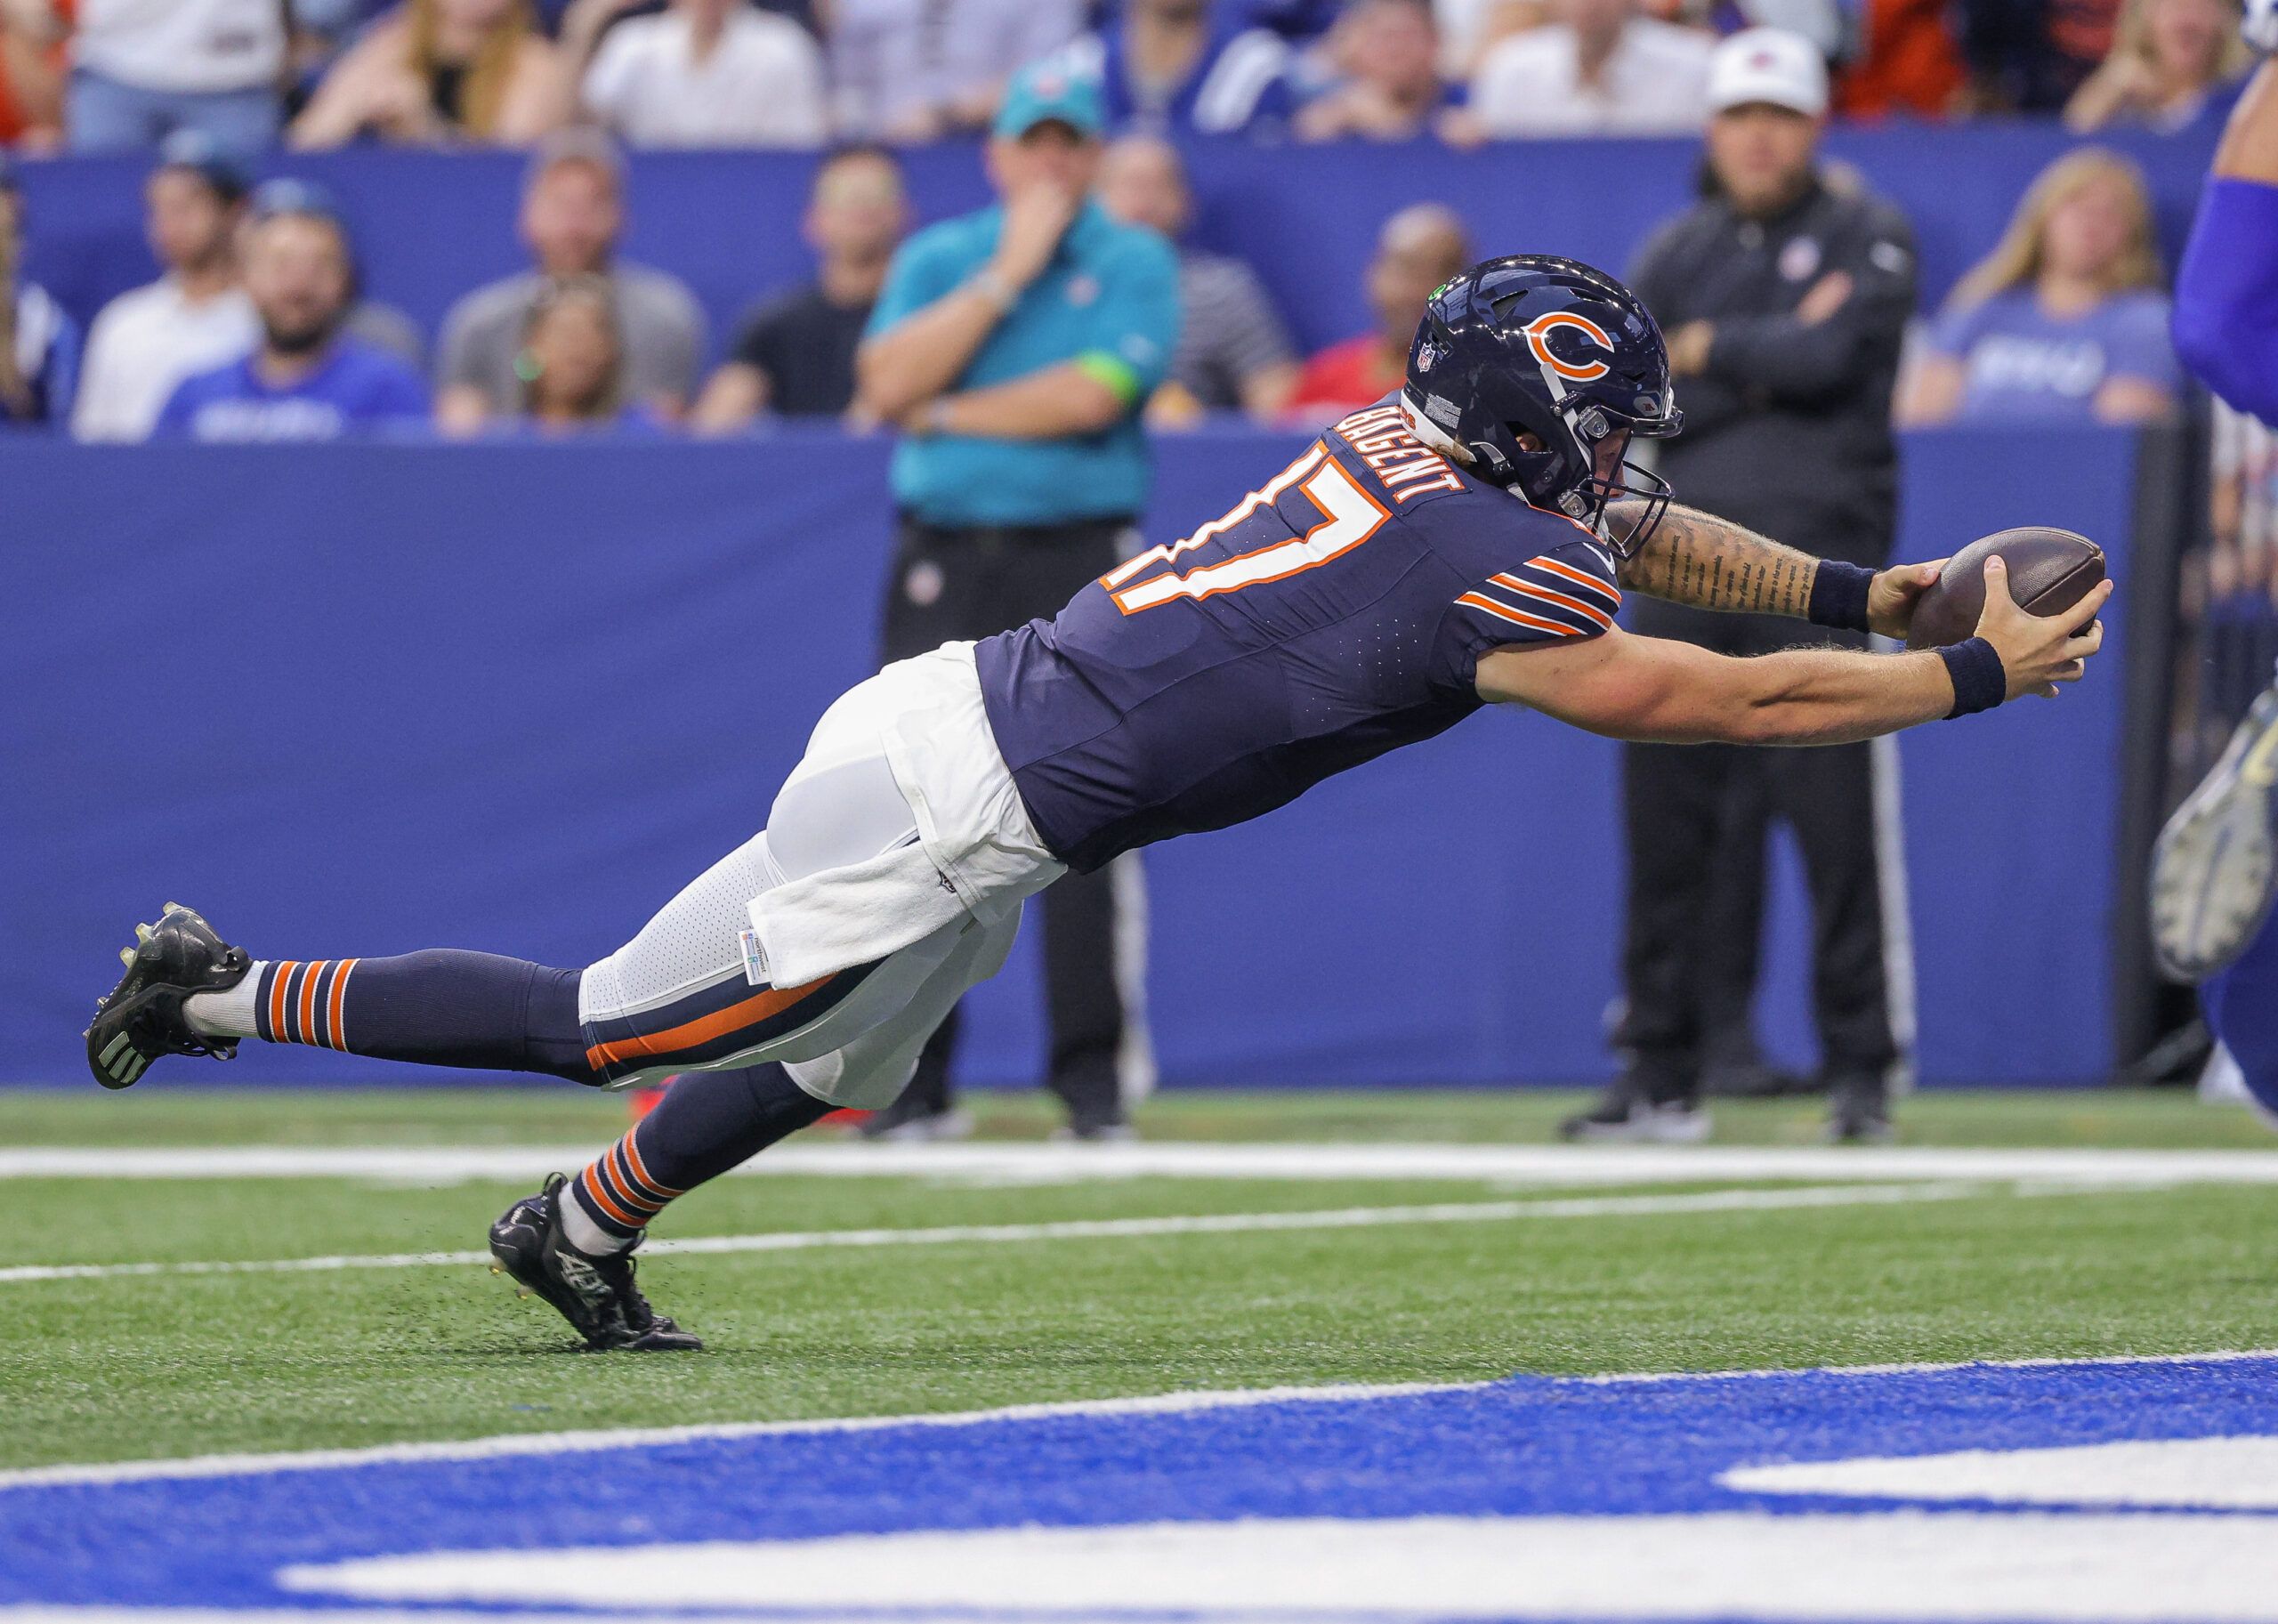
(1527,1164)
(1085,1229)
(519,1444)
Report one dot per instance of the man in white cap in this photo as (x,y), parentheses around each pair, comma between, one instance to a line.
(1785,295)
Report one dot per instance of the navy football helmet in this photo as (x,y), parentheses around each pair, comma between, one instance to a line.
(1534,345)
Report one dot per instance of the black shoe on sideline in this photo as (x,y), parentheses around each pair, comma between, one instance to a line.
(1859,1111)
(1627,1113)
(596,1295)
(143,1017)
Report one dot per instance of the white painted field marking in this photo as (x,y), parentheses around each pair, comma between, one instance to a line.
(1085,1229)
(1522,1164)
(2161,1474)
(517,1444)
(1944,1567)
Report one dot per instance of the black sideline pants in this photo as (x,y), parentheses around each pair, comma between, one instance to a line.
(1688,808)
(953,583)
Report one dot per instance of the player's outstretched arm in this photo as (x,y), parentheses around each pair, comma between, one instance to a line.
(1708,562)
(1652,690)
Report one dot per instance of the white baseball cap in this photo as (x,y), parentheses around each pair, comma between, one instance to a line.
(1768,65)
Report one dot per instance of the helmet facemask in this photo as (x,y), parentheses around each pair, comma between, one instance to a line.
(1603,437)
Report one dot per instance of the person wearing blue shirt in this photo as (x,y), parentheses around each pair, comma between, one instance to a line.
(306,380)
(2215,870)
(1014,348)
(2064,320)
(39,342)
(1174,66)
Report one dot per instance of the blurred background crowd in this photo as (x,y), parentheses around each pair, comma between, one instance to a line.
(2064,315)
(1021,352)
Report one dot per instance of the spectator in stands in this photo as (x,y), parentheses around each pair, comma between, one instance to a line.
(39,343)
(1601,68)
(193,317)
(1388,52)
(916,71)
(701,73)
(2029,56)
(2064,319)
(2170,62)
(143,70)
(1014,347)
(1233,352)
(443,73)
(1469,29)
(794,354)
(573,213)
(32,72)
(1420,247)
(306,380)
(1168,67)
(573,362)
(1909,62)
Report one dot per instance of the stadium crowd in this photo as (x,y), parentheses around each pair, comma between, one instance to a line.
(2066,317)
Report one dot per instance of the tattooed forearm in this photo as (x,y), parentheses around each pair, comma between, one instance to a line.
(1694,558)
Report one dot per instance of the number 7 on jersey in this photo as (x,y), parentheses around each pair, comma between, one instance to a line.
(1349,514)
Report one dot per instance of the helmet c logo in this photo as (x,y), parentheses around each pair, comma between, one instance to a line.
(1538,332)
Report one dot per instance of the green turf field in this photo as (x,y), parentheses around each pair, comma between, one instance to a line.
(164,1363)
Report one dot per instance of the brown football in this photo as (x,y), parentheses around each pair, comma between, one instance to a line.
(2050,571)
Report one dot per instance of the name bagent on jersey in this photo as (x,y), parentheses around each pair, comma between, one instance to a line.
(1403,465)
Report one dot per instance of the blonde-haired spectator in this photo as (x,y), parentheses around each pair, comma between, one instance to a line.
(2066,319)
(440,73)
(2168,57)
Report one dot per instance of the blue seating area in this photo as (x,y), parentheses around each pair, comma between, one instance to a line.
(430,227)
(375,698)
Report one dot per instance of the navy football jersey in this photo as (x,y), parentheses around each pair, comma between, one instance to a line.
(1335,613)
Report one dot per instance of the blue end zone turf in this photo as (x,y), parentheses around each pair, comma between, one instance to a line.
(1527,1448)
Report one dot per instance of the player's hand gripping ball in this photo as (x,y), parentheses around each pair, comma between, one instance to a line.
(2050,571)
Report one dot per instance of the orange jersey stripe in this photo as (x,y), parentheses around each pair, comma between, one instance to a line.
(719,1024)
(622,1187)
(1589,611)
(1580,577)
(309,1001)
(339,1000)
(278,983)
(603,1200)
(1518,617)
(641,1170)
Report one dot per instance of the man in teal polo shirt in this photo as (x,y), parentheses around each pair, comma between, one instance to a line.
(1013,348)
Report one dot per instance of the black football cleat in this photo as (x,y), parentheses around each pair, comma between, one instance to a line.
(2215,870)
(596,1295)
(142,1018)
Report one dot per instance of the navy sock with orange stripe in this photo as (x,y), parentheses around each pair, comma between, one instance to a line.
(442,1007)
(707,1123)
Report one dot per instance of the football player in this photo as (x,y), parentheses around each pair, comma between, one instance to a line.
(2215,871)
(1463,541)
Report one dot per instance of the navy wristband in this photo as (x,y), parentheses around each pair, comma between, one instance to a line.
(1839,596)
(1980,683)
